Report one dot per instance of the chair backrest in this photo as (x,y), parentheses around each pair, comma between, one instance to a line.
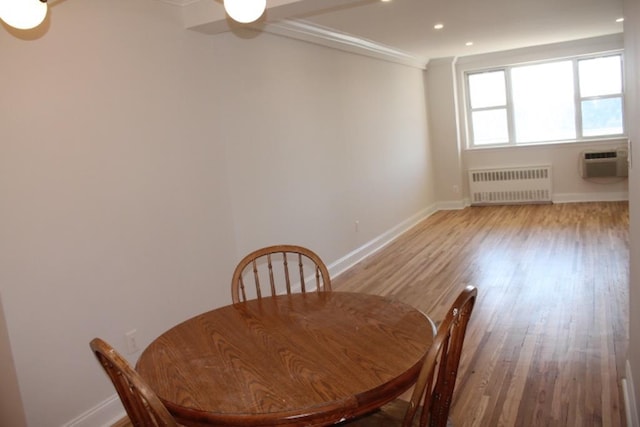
(434,387)
(143,407)
(278,269)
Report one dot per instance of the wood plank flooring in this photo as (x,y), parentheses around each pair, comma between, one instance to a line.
(547,339)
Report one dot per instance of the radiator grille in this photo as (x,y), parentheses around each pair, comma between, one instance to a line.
(530,184)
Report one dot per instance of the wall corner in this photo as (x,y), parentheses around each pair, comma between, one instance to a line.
(628,391)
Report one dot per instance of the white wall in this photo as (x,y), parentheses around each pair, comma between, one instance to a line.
(567,184)
(320,139)
(632,61)
(441,81)
(113,190)
(139,160)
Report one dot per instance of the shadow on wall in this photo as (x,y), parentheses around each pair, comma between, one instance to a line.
(11,409)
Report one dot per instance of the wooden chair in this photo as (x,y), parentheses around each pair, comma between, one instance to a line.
(143,407)
(435,383)
(262,264)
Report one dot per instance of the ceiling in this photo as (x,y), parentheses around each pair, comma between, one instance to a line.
(492,25)
(406,27)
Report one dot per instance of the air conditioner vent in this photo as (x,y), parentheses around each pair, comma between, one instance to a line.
(603,164)
(600,155)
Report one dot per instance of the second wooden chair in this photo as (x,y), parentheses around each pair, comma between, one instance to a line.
(279,269)
(433,391)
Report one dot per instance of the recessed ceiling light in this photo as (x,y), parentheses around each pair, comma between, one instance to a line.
(385,1)
(468,44)
(438,26)
(620,20)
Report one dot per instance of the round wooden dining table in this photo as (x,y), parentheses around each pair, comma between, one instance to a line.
(307,359)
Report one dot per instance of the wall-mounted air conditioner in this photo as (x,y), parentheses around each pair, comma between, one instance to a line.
(600,164)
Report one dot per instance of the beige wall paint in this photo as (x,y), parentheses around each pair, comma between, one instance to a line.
(139,160)
(321,139)
(113,191)
(632,61)
(444,130)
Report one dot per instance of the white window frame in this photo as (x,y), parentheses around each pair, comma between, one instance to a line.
(578,99)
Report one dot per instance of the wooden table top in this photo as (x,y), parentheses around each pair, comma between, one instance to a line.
(305,359)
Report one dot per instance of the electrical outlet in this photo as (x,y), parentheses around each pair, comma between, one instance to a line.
(131,342)
(456,189)
(357,225)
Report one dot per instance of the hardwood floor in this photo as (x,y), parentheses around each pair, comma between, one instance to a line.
(547,339)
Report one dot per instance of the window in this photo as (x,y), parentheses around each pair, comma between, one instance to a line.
(601,95)
(488,99)
(567,100)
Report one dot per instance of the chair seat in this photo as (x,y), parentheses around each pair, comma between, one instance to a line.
(390,415)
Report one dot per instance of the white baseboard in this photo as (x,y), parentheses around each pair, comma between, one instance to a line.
(591,197)
(378,243)
(629,395)
(451,205)
(105,414)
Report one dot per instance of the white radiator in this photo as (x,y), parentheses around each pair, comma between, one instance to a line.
(517,185)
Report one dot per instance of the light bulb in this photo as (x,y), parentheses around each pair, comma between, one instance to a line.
(245,11)
(23,14)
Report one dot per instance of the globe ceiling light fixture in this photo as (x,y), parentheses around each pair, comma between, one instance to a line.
(23,14)
(245,11)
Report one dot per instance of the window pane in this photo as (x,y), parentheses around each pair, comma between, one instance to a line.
(543,102)
(487,89)
(490,127)
(602,117)
(600,76)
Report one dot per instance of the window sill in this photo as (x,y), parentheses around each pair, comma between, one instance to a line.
(584,143)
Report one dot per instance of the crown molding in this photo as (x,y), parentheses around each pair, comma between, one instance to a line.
(324,36)
(305,31)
